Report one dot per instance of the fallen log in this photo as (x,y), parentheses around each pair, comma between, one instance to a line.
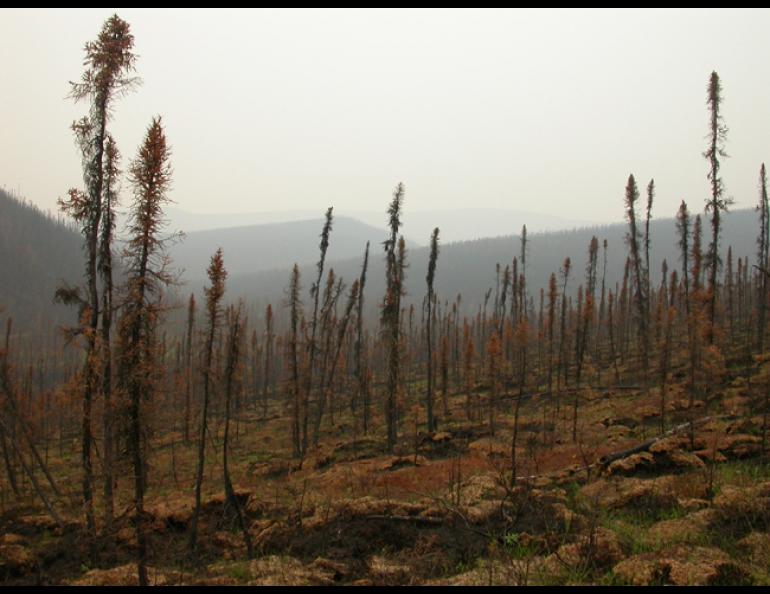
(29,472)
(609,458)
(411,519)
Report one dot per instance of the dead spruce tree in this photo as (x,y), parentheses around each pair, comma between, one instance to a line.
(550,325)
(235,324)
(332,292)
(150,176)
(585,326)
(683,231)
(315,289)
(214,293)
(562,365)
(109,61)
(666,315)
(361,393)
(267,376)
(494,353)
(189,374)
(111,175)
(648,213)
(523,277)
(395,251)
(342,328)
(295,305)
(640,293)
(718,203)
(763,259)
(429,328)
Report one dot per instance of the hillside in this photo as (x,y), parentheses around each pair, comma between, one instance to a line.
(457,224)
(255,248)
(468,267)
(37,253)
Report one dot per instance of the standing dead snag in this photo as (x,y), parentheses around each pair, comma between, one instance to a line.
(341,332)
(694,319)
(584,325)
(641,295)
(763,258)
(650,198)
(395,251)
(683,231)
(362,389)
(717,203)
(550,323)
(443,363)
(611,333)
(328,320)
(109,61)
(214,293)
(296,389)
(111,174)
(494,355)
(600,323)
(665,361)
(521,338)
(429,328)
(696,255)
(469,354)
(267,377)
(105,268)
(523,277)
(189,383)
(562,365)
(503,294)
(150,176)
(234,339)
(313,349)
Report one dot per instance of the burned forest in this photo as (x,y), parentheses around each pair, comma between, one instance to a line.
(565,407)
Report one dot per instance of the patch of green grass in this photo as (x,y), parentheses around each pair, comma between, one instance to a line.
(573,494)
(742,472)
(515,548)
(631,526)
(629,534)
(238,571)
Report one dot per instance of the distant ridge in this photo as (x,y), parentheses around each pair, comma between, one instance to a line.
(468,267)
(256,248)
(456,224)
(37,252)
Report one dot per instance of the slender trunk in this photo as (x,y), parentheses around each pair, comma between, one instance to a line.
(188,392)
(233,355)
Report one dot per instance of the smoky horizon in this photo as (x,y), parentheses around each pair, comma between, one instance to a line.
(539,111)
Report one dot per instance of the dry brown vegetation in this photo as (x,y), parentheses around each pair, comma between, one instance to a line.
(440,512)
(612,436)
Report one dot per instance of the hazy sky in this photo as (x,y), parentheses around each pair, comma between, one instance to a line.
(547,111)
